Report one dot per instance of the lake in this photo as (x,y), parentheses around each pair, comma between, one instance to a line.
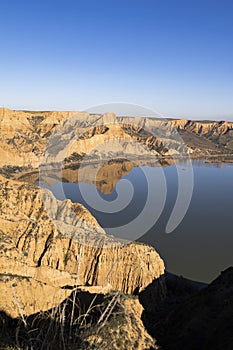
(200,246)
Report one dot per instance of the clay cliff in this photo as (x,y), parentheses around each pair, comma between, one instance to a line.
(49,244)
(27,135)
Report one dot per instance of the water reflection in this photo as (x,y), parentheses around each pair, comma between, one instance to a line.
(201,246)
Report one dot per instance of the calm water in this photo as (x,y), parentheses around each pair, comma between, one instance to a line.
(201,246)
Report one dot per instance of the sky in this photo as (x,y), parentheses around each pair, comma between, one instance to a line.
(171,56)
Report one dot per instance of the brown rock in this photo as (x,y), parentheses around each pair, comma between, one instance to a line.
(67,247)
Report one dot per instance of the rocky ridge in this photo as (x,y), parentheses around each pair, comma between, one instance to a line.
(25,135)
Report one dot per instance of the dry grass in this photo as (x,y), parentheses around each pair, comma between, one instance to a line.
(66,326)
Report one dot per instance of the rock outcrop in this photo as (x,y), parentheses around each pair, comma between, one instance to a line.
(56,244)
(25,134)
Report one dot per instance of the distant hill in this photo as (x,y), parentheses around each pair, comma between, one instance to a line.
(73,136)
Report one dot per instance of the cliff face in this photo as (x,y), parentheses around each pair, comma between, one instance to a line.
(51,248)
(24,136)
(215,128)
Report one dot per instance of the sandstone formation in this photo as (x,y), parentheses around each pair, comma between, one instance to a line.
(60,244)
(28,137)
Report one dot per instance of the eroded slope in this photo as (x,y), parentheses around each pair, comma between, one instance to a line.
(62,246)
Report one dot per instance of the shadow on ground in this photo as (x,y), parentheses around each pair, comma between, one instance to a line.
(192,316)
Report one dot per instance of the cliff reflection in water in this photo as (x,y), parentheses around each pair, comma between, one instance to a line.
(201,246)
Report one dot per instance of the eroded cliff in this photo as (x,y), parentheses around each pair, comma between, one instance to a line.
(26,135)
(50,243)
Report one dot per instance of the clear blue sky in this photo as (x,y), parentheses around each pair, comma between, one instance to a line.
(175,56)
